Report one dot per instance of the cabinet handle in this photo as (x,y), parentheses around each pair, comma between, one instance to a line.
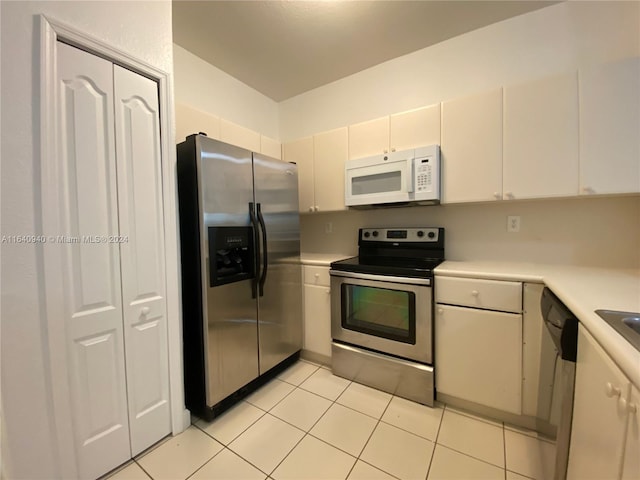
(497,195)
(328,290)
(475,293)
(385,151)
(145,311)
(440,311)
(316,208)
(311,209)
(393,149)
(588,190)
(317,275)
(612,391)
(632,408)
(508,195)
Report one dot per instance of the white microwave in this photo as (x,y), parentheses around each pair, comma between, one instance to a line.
(409,177)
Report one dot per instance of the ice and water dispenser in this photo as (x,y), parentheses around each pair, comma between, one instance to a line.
(231,255)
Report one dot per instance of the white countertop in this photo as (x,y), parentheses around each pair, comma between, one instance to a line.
(582,289)
(321,259)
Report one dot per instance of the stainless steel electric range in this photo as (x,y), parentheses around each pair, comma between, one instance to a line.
(382,311)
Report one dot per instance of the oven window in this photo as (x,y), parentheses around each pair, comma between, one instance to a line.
(379,311)
(377,183)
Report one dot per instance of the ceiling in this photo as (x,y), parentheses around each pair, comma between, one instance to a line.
(285,48)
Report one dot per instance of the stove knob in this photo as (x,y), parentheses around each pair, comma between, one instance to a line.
(431,235)
(375,233)
(367,234)
(420,233)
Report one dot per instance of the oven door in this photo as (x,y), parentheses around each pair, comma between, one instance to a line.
(387,314)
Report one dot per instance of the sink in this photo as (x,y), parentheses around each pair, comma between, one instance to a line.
(626,324)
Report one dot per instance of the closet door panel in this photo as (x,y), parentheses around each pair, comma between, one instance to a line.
(90,264)
(142,256)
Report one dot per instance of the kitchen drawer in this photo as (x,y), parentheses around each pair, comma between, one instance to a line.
(317,276)
(477,293)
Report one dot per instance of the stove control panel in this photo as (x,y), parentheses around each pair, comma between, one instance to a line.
(395,235)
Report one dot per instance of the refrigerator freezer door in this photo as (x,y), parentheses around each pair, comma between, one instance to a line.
(232,339)
(225,180)
(280,306)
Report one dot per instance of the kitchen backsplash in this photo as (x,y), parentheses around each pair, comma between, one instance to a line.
(600,232)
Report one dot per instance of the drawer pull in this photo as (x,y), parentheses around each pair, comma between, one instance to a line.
(317,275)
(145,311)
(475,293)
(440,311)
(612,391)
(328,291)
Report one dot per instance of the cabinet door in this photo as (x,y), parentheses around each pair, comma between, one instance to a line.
(369,138)
(239,136)
(610,150)
(270,147)
(301,153)
(91,264)
(142,256)
(631,465)
(190,120)
(598,427)
(472,148)
(330,150)
(479,356)
(541,138)
(415,128)
(317,319)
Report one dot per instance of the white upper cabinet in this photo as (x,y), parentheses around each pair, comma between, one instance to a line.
(541,138)
(190,120)
(239,136)
(301,152)
(329,154)
(402,131)
(610,128)
(270,147)
(415,128)
(369,138)
(472,148)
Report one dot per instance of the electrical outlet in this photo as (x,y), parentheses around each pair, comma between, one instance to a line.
(328,227)
(513,223)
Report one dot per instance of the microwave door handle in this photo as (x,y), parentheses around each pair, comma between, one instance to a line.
(410,175)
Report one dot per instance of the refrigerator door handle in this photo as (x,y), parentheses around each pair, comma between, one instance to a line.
(265,262)
(256,250)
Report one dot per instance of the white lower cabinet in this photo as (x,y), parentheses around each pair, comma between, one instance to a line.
(478,341)
(317,311)
(604,436)
(479,356)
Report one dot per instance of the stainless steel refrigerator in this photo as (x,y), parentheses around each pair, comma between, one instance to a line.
(241,272)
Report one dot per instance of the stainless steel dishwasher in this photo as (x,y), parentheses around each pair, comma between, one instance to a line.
(562,326)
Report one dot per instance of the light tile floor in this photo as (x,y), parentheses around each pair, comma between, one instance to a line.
(310,424)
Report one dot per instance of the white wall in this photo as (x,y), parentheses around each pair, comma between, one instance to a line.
(207,88)
(554,39)
(142,29)
(600,232)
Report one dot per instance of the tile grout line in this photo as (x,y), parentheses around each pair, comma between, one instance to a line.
(504,449)
(435,441)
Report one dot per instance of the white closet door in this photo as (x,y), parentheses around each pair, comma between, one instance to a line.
(91,265)
(142,256)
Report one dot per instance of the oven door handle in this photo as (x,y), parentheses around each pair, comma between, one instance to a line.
(381,278)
